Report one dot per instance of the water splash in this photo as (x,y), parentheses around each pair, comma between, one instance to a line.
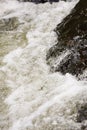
(39,99)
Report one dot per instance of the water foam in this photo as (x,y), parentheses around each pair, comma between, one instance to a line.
(39,99)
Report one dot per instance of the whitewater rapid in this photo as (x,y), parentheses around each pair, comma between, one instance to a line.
(38,99)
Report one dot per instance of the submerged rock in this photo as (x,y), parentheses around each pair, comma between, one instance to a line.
(9,24)
(72,36)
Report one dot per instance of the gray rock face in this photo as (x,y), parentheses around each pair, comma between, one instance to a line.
(72,36)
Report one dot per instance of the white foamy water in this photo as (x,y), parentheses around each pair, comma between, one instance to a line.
(38,99)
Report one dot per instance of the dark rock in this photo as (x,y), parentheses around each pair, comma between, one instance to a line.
(39,1)
(82,113)
(76,61)
(72,36)
(84,127)
(82,116)
(74,24)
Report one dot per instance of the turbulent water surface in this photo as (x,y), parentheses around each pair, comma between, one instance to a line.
(31,97)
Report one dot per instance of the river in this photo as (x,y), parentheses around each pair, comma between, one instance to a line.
(31,97)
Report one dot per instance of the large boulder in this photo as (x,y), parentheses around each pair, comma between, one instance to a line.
(72,40)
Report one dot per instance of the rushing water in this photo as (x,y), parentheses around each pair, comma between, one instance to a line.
(32,98)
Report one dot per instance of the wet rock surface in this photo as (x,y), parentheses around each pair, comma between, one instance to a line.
(82,113)
(82,116)
(76,61)
(72,36)
(39,1)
